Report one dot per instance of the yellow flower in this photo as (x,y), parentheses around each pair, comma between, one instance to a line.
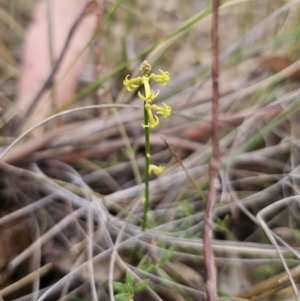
(132,83)
(156,169)
(145,81)
(153,119)
(164,110)
(163,77)
(149,97)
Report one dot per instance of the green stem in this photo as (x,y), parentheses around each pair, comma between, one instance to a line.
(147,163)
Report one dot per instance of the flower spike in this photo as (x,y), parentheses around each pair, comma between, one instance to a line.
(151,120)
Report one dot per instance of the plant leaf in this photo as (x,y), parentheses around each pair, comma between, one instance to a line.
(129,279)
(119,286)
(122,297)
(141,285)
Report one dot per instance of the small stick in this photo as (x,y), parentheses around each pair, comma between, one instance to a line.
(210,269)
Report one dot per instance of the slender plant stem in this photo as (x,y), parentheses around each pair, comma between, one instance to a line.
(210,269)
(147,163)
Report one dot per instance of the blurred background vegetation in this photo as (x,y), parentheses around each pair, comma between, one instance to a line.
(70,190)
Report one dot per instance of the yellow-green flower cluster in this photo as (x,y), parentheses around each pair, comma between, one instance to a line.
(152,109)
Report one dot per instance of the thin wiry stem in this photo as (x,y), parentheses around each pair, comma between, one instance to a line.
(147,163)
(210,269)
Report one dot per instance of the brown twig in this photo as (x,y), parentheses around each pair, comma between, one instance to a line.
(210,270)
(50,79)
